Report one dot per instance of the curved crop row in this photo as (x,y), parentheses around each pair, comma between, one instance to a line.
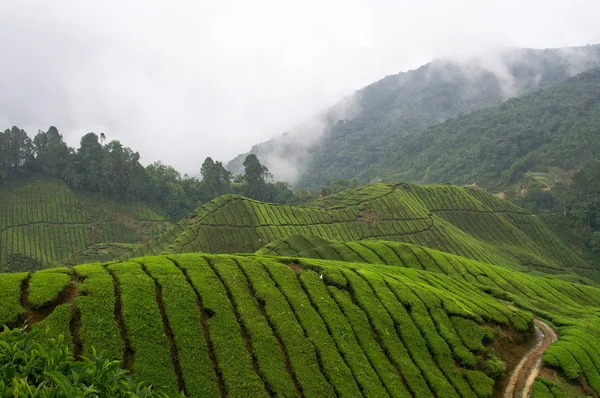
(43,223)
(463,221)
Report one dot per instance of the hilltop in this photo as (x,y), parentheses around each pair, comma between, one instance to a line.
(346,140)
(465,221)
(45,223)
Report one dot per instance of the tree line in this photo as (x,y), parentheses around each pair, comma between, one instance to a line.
(114,170)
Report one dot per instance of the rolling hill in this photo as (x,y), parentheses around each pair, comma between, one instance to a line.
(44,223)
(351,138)
(464,221)
(224,325)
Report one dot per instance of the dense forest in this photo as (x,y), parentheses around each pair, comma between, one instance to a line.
(352,143)
(114,170)
(495,147)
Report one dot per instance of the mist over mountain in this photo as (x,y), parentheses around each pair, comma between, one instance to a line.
(553,130)
(345,140)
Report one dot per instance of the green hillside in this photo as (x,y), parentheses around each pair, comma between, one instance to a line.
(215,325)
(463,221)
(553,128)
(351,138)
(44,223)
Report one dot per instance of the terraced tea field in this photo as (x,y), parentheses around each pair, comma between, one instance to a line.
(220,325)
(463,221)
(44,223)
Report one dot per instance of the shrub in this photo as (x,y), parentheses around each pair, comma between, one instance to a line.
(34,365)
(480,383)
(494,367)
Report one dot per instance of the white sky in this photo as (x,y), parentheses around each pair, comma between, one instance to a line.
(182,80)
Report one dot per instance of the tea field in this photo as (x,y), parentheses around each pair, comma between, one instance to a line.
(464,221)
(44,223)
(427,324)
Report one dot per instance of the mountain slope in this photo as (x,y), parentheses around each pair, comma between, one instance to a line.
(554,127)
(44,223)
(347,139)
(463,221)
(254,326)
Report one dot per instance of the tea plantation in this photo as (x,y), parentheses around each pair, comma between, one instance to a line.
(44,223)
(463,221)
(426,324)
(387,290)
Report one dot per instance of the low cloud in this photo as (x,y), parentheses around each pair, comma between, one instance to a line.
(185,80)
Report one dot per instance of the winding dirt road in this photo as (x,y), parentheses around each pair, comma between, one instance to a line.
(522,378)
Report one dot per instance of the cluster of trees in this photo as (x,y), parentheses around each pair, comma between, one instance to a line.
(114,170)
(496,147)
(579,199)
(368,142)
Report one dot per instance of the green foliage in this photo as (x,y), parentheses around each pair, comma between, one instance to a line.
(216,180)
(498,146)
(544,388)
(57,324)
(494,367)
(265,346)
(143,323)
(369,135)
(481,384)
(17,153)
(342,334)
(343,226)
(11,310)
(234,360)
(44,223)
(184,319)
(472,334)
(254,326)
(334,366)
(96,307)
(299,349)
(34,365)
(45,286)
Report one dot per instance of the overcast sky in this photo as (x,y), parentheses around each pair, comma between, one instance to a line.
(182,80)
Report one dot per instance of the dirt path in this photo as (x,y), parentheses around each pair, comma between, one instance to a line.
(522,378)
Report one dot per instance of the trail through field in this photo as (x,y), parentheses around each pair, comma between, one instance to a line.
(522,378)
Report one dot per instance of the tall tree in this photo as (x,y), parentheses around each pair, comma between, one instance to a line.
(216,180)
(52,152)
(89,162)
(256,177)
(16,152)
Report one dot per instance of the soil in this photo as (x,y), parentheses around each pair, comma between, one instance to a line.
(523,376)
(296,267)
(35,315)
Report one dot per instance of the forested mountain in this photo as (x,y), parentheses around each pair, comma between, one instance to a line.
(555,127)
(348,139)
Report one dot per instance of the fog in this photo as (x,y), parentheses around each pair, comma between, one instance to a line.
(203,78)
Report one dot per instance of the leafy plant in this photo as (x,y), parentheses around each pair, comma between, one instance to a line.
(33,365)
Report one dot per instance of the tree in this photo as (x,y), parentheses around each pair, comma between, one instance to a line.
(52,152)
(216,180)
(16,153)
(89,162)
(256,176)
